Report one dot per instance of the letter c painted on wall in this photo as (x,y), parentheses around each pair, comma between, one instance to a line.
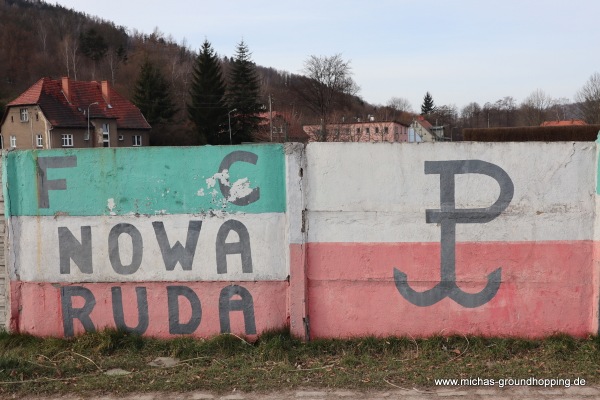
(228,160)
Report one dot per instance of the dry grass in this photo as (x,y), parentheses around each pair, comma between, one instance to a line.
(31,365)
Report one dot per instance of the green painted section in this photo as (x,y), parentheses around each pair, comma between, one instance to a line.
(146,181)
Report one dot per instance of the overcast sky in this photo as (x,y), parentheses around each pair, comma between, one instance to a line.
(458,50)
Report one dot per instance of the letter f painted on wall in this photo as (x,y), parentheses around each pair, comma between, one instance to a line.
(45,184)
(447,217)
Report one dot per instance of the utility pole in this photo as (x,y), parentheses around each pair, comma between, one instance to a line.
(271,117)
(229,117)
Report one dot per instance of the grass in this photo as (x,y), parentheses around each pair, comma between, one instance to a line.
(30,365)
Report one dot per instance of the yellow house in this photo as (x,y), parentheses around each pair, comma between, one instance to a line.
(66,113)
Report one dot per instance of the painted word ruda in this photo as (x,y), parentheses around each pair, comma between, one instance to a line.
(231,298)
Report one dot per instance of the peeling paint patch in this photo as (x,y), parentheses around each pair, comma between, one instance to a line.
(240,189)
(223,177)
(111,206)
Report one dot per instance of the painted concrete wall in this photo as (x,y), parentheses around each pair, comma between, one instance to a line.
(332,239)
(162,241)
(440,238)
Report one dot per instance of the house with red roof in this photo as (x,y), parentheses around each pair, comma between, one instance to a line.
(64,113)
(422,130)
(569,122)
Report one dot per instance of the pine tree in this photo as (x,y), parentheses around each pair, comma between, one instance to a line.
(427,107)
(208,109)
(152,95)
(243,96)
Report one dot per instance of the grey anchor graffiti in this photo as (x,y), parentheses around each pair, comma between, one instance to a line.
(448,216)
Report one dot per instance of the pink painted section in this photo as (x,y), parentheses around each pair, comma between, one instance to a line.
(297,292)
(547,287)
(41,311)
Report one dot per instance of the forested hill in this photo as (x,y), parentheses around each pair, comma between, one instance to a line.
(38,39)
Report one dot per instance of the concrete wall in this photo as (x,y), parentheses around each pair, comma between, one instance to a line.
(508,229)
(331,239)
(161,241)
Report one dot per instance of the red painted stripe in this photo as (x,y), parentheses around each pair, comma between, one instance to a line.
(546,288)
(37,307)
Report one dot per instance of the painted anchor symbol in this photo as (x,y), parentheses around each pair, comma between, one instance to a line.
(448,216)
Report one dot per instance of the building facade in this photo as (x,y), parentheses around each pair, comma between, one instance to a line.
(369,131)
(66,113)
(421,130)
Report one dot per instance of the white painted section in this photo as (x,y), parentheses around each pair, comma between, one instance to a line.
(36,251)
(295,191)
(378,192)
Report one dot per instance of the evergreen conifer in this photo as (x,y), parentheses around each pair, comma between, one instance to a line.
(152,95)
(244,96)
(427,107)
(208,109)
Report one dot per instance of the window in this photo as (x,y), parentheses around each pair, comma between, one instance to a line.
(386,130)
(137,140)
(358,131)
(39,141)
(13,141)
(376,130)
(67,139)
(368,130)
(106,135)
(24,115)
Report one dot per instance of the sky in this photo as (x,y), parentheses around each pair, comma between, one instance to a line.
(460,51)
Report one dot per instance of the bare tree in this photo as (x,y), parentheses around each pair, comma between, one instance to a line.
(444,118)
(470,115)
(43,35)
(534,108)
(507,108)
(400,104)
(560,109)
(70,49)
(588,99)
(329,79)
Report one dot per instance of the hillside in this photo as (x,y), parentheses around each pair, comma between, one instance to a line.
(38,39)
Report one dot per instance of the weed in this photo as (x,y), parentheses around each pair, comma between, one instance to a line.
(30,365)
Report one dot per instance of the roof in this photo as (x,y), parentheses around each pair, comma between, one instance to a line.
(424,123)
(48,94)
(569,122)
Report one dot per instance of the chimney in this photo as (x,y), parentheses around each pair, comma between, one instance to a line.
(66,87)
(105,92)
